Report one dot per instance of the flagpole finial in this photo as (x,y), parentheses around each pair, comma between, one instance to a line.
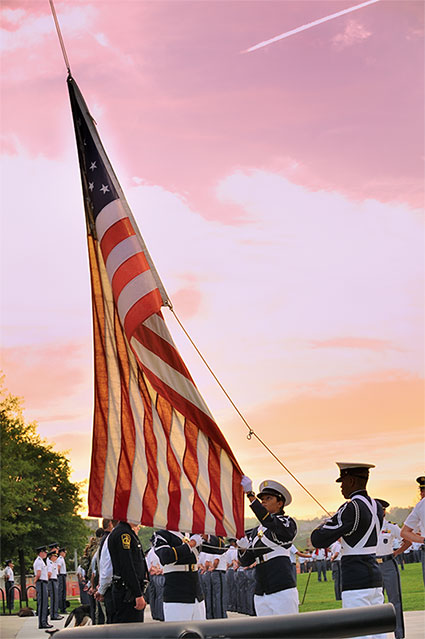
(61,42)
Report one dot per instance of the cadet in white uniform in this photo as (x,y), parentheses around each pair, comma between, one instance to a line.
(269,546)
(9,581)
(40,580)
(358,522)
(61,564)
(414,526)
(52,573)
(389,568)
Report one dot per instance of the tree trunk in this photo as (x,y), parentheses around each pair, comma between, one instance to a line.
(24,595)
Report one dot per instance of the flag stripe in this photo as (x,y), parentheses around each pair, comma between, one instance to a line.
(108,216)
(128,433)
(122,252)
(191,468)
(165,413)
(134,265)
(141,309)
(100,429)
(162,349)
(156,324)
(149,498)
(139,480)
(169,376)
(116,233)
(134,292)
(203,482)
(214,470)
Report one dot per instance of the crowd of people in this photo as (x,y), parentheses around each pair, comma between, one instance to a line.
(194,576)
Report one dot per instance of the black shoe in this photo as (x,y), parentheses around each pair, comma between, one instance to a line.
(48,625)
(56,618)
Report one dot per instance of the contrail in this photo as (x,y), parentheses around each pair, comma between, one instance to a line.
(308,26)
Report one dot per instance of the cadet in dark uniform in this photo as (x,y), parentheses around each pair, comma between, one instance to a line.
(178,554)
(389,568)
(358,522)
(40,580)
(269,546)
(129,573)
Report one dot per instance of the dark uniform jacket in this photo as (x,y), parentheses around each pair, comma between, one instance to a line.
(128,560)
(276,573)
(180,587)
(351,522)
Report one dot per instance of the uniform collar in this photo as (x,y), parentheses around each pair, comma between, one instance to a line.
(359,492)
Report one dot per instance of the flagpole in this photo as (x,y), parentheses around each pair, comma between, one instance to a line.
(61,42)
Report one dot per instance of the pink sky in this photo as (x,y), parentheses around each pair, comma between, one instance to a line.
(280,193)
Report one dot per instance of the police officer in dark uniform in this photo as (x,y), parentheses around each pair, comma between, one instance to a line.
(129,573)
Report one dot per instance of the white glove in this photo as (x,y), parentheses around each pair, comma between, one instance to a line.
(246,484)
(242,543)
(198,539)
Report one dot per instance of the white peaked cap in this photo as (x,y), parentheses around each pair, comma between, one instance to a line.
(271,487)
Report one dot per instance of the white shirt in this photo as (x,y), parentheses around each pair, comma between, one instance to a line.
(9,572)
(319,553)
(60,562)
(336,548)
(52,568)
(105,568)
(152,559)
(231,555)
(40,565)
(389,532)
(416,519)
(293,554)
(222,561)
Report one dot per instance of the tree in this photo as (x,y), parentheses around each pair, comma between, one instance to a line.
(39,503)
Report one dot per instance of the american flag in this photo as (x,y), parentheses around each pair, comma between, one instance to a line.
(158,457)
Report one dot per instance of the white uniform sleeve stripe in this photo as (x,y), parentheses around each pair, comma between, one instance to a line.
(132,292)
(110,214)
(170,376)
(120,253)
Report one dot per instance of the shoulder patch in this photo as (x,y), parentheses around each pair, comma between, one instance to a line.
(126,541)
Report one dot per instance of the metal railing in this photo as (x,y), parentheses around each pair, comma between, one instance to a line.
(326,624)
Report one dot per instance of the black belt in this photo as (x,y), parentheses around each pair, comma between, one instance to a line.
(381,560)
(43,581)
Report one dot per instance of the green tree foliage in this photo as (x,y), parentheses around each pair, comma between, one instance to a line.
(39,503)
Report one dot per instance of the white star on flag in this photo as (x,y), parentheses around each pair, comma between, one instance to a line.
(104,189)
(93,166)
(91,186)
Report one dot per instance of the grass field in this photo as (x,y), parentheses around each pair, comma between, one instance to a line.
(320,595)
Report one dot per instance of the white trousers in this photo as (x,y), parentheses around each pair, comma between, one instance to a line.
(363,597)
(284,602)
(184,611)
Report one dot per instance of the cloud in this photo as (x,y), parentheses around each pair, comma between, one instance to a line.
(354,33)
(353,342)
(31,29)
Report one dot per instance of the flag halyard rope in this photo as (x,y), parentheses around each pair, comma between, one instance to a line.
(58,31)
(251,432)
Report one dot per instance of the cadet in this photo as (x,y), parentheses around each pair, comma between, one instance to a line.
(52,573)
(389,569)
(358,522)
(269,546)
(414,526)
(61,564)
(40,581)
(129,573)
(177,552)
(9,581)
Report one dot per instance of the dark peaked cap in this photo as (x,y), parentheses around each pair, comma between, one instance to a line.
(421,481)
